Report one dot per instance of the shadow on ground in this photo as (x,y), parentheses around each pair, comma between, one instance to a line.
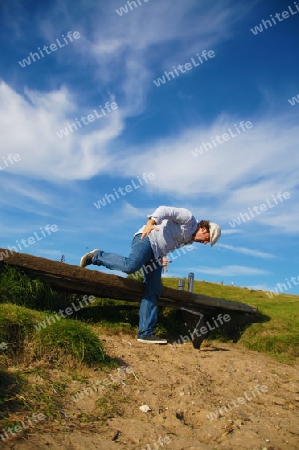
(176,323)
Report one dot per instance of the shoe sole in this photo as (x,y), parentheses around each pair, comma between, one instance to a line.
(90,253)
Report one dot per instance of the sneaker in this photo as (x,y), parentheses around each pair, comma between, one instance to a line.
(86,260)
(152,340)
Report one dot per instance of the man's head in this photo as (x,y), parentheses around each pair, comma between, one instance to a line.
(207,232)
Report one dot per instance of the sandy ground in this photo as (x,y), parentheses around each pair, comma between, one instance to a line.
(258,400)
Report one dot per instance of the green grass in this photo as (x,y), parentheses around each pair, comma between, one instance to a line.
(26,364)
(55,342)
(17,286)
(65,345)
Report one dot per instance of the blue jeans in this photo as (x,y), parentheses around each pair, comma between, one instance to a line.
(141,257)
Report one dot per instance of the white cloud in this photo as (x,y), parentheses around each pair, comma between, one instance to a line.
(232,231)
(225,175)
(231,270)
(246,251)
(233,163)
(122,52)
(37,117)
(131,212)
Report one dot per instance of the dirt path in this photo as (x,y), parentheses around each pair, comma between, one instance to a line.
(258,400)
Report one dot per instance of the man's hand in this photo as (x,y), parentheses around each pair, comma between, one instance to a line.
(150,225)
(165,261)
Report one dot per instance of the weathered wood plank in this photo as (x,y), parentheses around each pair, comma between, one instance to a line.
(77,280)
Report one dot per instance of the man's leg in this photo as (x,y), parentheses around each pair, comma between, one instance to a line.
(148,315)
(141,252)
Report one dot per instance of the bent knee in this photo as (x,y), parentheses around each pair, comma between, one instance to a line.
(132,267)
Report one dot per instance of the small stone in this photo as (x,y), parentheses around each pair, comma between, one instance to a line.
(279,402)
(145,408)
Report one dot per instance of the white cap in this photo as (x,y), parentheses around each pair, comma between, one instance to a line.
(215,233)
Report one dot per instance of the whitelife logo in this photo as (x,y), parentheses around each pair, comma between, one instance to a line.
(265,23)
(153,264)
(30,241)
(9,160)
(65,312)
(282,287)
(87,120)
(259,209)
(203,330)
(188,66)
(13,430)
(116,377)
(124,191)
(53,47)
(206,146)
(292,101)
(240,401)
(124,9)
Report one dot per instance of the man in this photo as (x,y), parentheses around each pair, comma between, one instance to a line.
(167,228)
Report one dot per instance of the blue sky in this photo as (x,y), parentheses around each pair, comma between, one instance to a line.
(114,59)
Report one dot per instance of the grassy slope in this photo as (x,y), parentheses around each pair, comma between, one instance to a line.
(29,356)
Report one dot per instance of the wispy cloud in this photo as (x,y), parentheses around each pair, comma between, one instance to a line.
(233,169)
(246,251)
(232,231)
(231,270)
(124,60)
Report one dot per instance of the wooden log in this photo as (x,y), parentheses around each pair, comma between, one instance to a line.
(77,280)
